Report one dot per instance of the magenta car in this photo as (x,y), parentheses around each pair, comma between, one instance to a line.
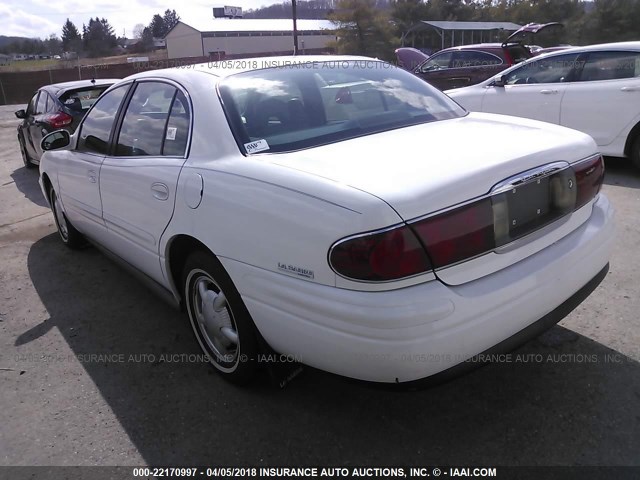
(470,64)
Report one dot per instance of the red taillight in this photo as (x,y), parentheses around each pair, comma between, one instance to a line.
(59,119)
(589,178)
(458,234)
(379,257)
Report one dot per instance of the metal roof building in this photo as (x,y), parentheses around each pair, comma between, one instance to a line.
(477,28)
(222,37)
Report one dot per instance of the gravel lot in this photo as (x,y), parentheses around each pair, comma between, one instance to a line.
(61,406)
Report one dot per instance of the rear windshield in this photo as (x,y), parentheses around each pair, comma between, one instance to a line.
(82,98)
(306,105)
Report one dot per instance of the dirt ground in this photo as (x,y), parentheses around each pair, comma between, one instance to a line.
(92,372)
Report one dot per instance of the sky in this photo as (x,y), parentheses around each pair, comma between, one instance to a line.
(41,18)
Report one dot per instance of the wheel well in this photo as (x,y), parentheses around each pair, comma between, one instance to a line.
(633,134)
(179,249)
(47,185)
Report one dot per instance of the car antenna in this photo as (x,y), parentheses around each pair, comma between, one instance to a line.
(93,80)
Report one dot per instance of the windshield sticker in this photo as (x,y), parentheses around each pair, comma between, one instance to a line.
(171,133)
(257,146)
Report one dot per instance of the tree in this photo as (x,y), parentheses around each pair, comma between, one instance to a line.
(98,37)
(138,30)
(363,29)
(171,18)
(157,26)
(71,40)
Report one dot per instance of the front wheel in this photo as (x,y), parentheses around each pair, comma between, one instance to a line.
(71,237)
(219,319)
(25,156)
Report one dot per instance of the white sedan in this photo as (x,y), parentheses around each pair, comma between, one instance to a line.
(337,210)
(594,89)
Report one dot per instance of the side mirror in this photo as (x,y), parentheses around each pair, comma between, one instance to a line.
(21,114)
(501,81)
(55,140)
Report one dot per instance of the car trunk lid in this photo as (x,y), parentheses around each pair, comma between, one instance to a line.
(426,169)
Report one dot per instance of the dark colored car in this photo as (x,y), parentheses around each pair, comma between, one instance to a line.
(469,64)
(55,107)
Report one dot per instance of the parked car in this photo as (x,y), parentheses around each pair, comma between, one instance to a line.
(594,89)
(339,210)
(470,64)
(61,105)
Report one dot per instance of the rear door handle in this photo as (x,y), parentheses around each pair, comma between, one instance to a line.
(630,89)
(548,92)
(160,191)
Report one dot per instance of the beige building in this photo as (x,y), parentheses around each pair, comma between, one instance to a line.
(228,37)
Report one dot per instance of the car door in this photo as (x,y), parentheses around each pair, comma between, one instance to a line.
(604,101)
(79,169)
(34,125)
(436,69)
(469,67)
(534,89)
(28,120)
(138,180)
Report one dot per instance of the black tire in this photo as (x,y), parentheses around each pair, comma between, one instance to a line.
(217,314)
(71,237)
(635,153)
(25,156)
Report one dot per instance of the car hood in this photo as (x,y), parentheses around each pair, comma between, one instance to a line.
(424,168)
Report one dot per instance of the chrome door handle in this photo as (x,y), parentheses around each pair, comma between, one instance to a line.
(160,191)
(548,92)
(630,89)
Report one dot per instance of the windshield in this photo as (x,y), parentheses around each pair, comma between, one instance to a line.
(306,105)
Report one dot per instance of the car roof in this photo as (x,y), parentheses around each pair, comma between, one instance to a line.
(59,88)
(225,68)
(600,47)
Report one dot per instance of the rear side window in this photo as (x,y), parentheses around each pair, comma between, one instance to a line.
(610,66)
(81,100)
(471,58)
(32,105)
(145,121)
(177,134)
(97,125)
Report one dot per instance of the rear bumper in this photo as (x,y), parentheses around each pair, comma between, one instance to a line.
(420,331)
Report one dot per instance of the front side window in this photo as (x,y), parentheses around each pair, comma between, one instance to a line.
(41,107)
(611,66)
(97,125)
(555,69)
(297,107)
(31,109)
(144,124)
(437,62)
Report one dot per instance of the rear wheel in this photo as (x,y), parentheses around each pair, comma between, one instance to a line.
(25,156)
(219,319)
(635,152)
(71,237)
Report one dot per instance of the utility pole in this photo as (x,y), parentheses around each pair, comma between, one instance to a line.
(295,27)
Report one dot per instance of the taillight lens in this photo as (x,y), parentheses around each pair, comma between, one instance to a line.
(382,256)
(470,230)
(59,119)
(458,234)
(589,178)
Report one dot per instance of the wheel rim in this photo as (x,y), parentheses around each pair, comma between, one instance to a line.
(61,221)
(212,319)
